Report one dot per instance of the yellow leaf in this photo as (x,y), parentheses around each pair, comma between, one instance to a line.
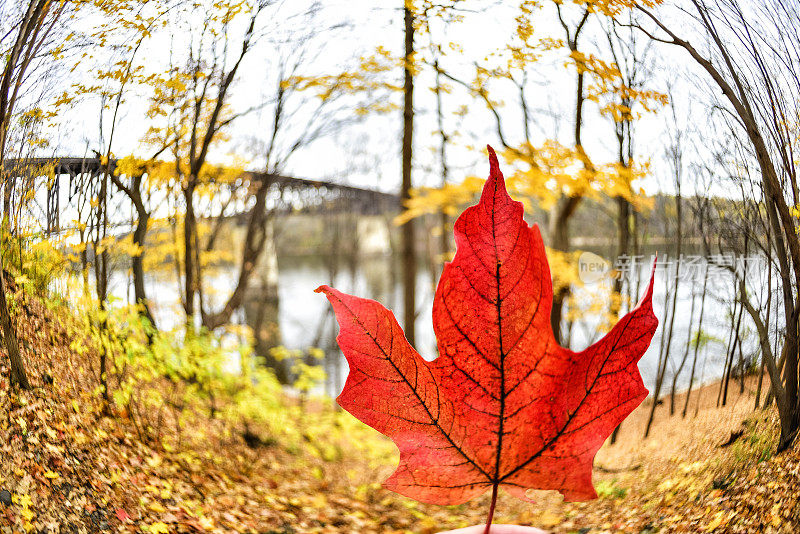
(719,518)
(159,528)
(51,475)
(157,507)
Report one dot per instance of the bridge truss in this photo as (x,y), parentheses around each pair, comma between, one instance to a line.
(60,185)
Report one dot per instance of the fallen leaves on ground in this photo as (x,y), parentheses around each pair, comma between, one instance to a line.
(69,468)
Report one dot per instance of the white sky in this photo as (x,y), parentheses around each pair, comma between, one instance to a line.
(368,154)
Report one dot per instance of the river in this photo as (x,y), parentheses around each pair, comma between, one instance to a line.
(304,317)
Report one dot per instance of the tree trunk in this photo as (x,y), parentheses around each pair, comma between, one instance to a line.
(780,366)
(663,353)
(137,266)
(18,375)
(760,383)
(101,277)
(785,409)
(677,164)
(559,223)
(697,341)
(731,356)
(685,357)
(255,240)
(559,240)
(727,352)
(767,321)
(623,237)
(409,260)
(8,191)
(559,219)
(189,224)
(444,223)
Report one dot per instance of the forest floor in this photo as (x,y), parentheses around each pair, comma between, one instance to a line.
(66,467)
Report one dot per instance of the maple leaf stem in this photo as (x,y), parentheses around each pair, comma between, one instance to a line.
(491,508)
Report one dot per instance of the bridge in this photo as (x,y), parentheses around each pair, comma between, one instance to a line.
(66,178)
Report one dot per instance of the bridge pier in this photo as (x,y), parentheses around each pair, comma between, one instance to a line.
(261,307)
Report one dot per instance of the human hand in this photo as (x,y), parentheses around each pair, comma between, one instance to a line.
(496,529)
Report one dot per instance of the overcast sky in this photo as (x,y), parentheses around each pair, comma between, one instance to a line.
(367,153)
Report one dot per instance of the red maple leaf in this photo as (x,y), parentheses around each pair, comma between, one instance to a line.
(503,405)
(122,515)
